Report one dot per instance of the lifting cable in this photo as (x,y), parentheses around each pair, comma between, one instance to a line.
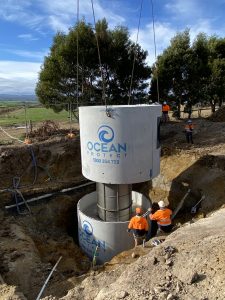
(156,68)
(100,63)
(135,54)
(77,52)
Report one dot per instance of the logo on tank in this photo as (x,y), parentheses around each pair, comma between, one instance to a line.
(88,229)
(106,149)
(105,134)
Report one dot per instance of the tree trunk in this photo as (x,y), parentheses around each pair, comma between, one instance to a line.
(213,105)
(178,108)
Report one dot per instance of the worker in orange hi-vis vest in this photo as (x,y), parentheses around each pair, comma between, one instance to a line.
(163,217)
(139,227)
(165,112)
(188,129)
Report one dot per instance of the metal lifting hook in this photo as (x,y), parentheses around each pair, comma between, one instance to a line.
(108,113)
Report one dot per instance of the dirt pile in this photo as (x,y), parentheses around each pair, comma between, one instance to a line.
(179,268)
(218,116)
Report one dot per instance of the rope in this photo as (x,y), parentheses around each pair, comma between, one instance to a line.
(12,137)
(18,196)
(100,63)
(135,54)
(153,27)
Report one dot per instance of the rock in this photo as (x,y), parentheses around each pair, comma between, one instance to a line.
(170,250)
(161,259)
(178,287)
(121,294)
(163,296)
(189,277)
(134,255)
(169,262)
(167,256)
(170,297)
(194,278)
(158,290)
(155,260)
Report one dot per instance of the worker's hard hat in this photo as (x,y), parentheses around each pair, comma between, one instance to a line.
(162,204)
(189,121)
(164,102)
(138,210)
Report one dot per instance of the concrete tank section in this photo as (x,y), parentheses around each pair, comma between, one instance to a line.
(123,148)
(110,237)
(114,201)
(119,147)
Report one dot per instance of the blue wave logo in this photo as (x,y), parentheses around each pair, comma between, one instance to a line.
(88,229)
(105,134)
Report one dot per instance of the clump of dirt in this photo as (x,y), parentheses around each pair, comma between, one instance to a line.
(218,116)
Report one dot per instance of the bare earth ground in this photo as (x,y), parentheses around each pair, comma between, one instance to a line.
(188,265)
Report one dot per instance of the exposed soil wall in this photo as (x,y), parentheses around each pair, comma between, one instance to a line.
(31,244)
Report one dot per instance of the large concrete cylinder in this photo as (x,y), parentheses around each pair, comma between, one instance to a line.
(123,148)
(110,237)
(114,201)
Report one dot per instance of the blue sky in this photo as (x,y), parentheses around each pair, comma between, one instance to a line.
(28,26)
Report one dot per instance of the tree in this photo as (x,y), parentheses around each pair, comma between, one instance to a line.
(173,70)
(193,73)
(58,77)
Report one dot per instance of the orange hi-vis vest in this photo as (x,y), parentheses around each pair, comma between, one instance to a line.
(189,127)
(165,107)
(139,223)
(162,216)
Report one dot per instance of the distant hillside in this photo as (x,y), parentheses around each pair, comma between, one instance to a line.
(19,98)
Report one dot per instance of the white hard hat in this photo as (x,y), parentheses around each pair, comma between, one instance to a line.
(164,102)
(189,121)
(162,204)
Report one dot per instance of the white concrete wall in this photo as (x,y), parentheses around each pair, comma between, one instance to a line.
(111,237)
(121,149)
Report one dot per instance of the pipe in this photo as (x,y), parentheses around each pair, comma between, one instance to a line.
(49,195)
(49,276)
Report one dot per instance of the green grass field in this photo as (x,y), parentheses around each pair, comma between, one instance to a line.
(16,115)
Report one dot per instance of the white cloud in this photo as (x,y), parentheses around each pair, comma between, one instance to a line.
(205,25)
(57,15)
(163,34)
(27,37)
(184,8)
(37,55)
(65,12)
(18,77)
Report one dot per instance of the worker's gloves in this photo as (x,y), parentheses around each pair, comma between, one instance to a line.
(128,230)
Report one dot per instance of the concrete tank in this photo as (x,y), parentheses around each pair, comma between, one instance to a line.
(110,237)
(123,148)
(114,201)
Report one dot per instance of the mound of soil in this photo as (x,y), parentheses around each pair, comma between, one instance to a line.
(218,116)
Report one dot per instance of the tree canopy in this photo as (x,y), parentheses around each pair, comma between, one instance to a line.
(75,55)
(191,72)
